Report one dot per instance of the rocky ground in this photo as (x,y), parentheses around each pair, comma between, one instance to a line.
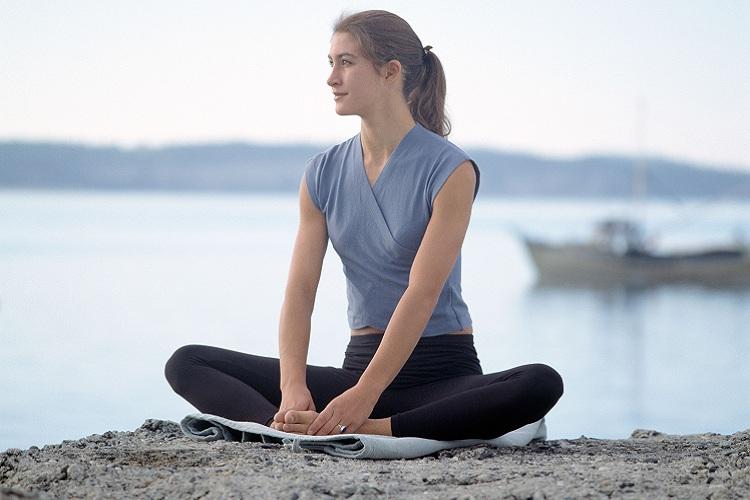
(156,461)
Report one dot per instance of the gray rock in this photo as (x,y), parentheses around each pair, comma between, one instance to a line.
(156,461)
(645,434)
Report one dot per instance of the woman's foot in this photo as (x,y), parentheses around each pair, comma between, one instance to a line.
(298,421)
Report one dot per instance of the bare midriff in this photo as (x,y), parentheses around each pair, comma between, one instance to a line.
(371,329)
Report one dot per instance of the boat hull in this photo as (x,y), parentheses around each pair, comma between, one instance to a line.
(588,264)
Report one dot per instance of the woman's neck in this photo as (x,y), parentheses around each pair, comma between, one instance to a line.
(381,134)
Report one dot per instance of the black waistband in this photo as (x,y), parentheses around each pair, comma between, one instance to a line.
(370,339)
(434,358)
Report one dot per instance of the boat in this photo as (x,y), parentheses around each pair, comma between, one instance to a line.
(618,255)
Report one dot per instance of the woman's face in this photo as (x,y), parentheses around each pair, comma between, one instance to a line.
(357,86)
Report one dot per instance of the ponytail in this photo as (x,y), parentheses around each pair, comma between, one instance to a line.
(427,100)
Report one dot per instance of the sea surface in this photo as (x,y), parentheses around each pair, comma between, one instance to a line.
(97,289)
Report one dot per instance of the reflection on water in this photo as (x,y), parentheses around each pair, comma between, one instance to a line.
(673,358)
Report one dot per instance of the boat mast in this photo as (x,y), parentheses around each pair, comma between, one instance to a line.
(639,181)
(636,237)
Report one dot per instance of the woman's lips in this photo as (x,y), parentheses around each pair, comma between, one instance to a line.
(336,96)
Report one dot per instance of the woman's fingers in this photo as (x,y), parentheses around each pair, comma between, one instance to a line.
(329,427)
(316,425)
(321,422)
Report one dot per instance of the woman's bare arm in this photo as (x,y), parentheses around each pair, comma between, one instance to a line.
(432,265)
(302,285)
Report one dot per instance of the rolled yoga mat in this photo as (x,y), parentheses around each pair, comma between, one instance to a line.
(207,427)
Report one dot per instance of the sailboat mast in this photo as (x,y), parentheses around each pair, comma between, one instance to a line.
(639,185)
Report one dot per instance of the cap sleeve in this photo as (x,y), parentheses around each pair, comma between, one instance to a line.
(447,167)
(312,178)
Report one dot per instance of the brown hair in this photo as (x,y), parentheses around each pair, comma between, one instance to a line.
(382,37)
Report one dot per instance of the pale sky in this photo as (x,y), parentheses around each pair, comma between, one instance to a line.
(554,78)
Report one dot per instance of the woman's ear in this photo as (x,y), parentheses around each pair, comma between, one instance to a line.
(392,69)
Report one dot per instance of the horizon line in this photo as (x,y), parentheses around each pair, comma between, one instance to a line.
(300,143)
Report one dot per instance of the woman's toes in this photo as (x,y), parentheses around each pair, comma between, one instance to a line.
(297,421)
(295,428)
(305,417)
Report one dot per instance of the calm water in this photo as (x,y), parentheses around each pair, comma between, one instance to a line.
(98,289)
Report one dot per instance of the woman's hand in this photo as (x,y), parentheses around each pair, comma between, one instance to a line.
(293,398)
(351,409)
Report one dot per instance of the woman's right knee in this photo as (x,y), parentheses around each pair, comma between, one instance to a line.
(176,368)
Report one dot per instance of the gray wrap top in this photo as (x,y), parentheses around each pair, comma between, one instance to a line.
(376,230)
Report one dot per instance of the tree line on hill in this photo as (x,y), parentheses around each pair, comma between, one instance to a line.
(253,167)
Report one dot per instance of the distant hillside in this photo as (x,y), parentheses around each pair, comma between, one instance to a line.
(251,167)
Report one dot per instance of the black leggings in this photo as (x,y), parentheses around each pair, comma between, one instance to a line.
(440,393)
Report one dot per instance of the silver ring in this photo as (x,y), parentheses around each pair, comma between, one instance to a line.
(342,428)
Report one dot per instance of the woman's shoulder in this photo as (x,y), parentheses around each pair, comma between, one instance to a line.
(323,168)
(437,144)
(332,152)
(442,158)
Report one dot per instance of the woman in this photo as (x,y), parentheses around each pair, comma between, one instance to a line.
(395,201)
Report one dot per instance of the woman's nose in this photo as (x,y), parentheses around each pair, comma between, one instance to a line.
(333,77)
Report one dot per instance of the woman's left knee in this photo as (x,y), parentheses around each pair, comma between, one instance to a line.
(547,380)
